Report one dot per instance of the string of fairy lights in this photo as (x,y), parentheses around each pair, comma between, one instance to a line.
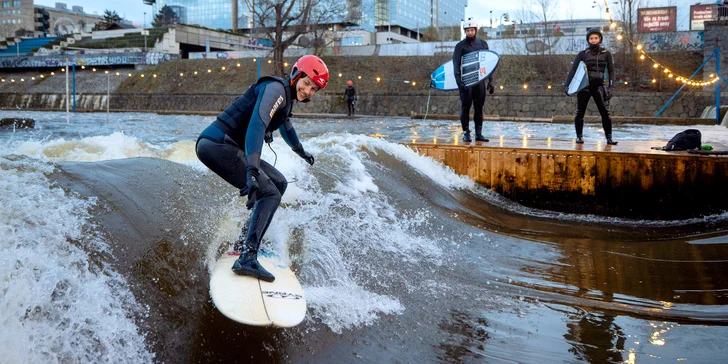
(155,75)
(655,63)
(643,55)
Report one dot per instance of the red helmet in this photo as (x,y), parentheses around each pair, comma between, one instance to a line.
(349,83)
(313,67)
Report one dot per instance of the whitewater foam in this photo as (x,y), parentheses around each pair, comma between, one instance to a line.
(60,301)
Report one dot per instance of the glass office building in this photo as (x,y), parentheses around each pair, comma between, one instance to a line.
(411,14)
(367,14)
(215,14)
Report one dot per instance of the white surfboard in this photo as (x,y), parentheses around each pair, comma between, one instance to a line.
(580,80)
(250,301)
(475,67)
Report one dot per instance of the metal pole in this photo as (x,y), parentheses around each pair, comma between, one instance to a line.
(108,97)
(73,68)
(68,96)
(717,86)
(683,86)
(258,67)
(389,22)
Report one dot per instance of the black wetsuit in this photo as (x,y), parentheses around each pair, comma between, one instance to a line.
(470,96)
(597,60)
(235,140)
(350,96)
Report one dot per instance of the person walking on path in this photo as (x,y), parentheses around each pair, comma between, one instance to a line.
(350,97)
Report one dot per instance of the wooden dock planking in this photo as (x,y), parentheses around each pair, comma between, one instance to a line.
(629,179)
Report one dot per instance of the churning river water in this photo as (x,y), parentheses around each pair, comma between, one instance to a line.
(109,231)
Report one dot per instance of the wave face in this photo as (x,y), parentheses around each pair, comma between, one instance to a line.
(110,232)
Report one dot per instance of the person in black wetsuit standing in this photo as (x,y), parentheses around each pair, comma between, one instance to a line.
(232,144)
(474,95)
(598,60)
(350,97)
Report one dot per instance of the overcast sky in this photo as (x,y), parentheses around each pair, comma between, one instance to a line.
(568,9)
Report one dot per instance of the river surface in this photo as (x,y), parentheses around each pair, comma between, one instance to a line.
(109,231)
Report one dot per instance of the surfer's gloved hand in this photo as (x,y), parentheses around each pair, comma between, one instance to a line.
(305,155)
(490,88)
(268,137)
(566,90)
(251,186)
(461,87)
(609,93)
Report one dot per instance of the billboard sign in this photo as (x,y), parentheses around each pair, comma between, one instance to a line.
(700,13)
(652,20)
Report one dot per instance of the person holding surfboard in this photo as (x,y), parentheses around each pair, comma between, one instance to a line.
(232,144)
(475,95)
(598,60)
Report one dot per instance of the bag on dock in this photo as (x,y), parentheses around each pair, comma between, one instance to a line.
(684,140)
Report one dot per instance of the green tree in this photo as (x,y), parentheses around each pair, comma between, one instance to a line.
(166,16)
(430,34)
(110,17)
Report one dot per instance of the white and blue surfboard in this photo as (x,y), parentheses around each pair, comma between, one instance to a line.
(580,80)
(474,67)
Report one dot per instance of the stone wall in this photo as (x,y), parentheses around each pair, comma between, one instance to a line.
(542,105)
(716,35)
(524,104)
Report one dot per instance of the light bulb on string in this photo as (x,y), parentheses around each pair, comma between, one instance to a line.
(655,65)
(639,47)
(619,37)
(666,70)
(642,57)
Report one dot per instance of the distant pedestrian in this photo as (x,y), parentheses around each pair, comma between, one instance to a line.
(350,97)
(598,60)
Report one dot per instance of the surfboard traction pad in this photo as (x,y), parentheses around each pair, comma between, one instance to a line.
(251,301)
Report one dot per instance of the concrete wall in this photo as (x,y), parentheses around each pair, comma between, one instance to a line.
(518,105)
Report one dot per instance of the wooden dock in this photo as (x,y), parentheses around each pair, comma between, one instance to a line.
(627,180)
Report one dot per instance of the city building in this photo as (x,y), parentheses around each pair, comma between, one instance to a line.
(368,21)
(213,14)
(23,18)
(556,27)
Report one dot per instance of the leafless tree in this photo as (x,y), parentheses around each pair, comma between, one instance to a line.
(323,20)
(283,21)
(545,11)
(627,15)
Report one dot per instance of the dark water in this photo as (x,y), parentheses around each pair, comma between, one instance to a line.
(401,260)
